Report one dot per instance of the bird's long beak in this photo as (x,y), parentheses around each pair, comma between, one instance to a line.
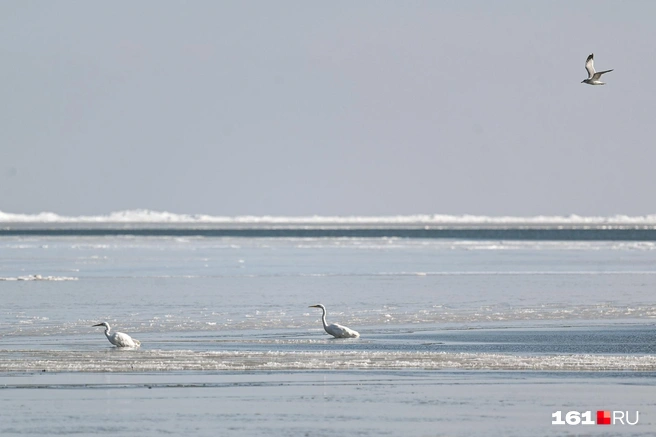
(99,324)
(313,306)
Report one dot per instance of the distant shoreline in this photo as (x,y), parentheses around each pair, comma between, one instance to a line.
(540,232)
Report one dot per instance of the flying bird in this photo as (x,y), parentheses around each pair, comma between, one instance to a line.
(593,77)
(119,339)
(336,330)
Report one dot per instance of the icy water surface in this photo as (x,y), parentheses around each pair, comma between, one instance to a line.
(458,337)
(322,403)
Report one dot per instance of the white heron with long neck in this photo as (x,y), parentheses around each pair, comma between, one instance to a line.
(336,330)
(119,339)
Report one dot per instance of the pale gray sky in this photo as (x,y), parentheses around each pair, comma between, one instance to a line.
(341,107)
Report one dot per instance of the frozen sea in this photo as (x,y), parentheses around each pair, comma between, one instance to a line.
(459,336)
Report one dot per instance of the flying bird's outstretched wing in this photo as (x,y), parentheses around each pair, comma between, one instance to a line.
(589,66)
(598,74)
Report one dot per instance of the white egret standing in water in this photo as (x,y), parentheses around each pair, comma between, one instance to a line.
(336,330)
(119,339)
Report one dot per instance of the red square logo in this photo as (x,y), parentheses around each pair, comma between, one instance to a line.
(603,417)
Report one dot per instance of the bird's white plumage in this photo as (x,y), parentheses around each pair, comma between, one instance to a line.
(589,65)
(594,77)
(119,339)
(335,329)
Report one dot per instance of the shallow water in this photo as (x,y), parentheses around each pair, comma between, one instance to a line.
(455,335)
(321,403)
(586,348)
